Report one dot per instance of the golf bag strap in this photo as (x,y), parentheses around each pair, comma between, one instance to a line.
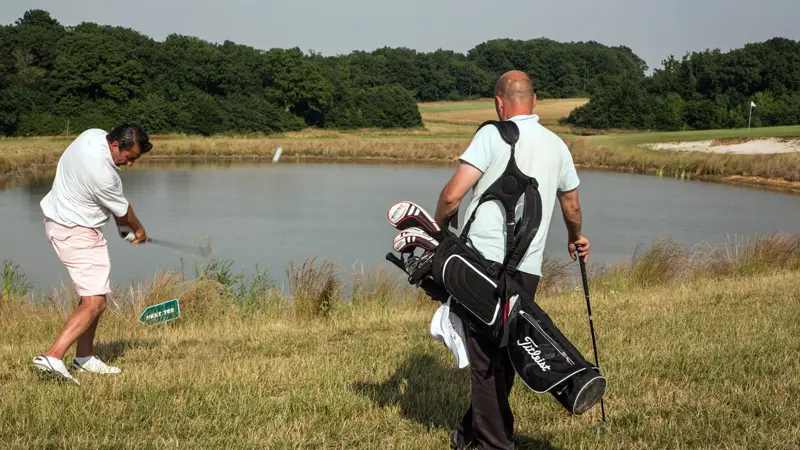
(507,189)
(528,226)
(509,132)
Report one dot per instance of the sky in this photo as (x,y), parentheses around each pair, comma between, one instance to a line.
(653,30)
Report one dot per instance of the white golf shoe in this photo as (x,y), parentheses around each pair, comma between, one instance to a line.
(54,368)
(94,365)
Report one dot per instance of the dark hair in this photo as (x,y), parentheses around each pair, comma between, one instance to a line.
(128,135)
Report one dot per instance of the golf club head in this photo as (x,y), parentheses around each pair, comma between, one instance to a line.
(408,240)
(600,429)
(405,214)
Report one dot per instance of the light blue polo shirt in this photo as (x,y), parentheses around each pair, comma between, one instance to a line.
(541,154)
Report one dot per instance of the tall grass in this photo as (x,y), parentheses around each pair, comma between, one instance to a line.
(15,282)
(381,286)
(666,262)
(315,287)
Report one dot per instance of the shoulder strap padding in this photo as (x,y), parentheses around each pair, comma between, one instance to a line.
(508,130)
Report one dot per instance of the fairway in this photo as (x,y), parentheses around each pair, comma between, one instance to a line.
(474,112)
(632,140)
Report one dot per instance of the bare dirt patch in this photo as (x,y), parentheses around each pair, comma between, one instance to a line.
(741,146)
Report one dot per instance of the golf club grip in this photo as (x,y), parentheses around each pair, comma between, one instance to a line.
(392,258)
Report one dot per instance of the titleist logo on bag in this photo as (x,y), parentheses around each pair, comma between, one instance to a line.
(533,350)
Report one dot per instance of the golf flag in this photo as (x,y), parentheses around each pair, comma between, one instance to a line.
(752,105)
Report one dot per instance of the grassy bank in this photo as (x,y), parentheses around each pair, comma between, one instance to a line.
(448,129)
(699,347)
(624,151)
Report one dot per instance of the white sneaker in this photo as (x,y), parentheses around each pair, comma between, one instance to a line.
(94,365)
(53,367)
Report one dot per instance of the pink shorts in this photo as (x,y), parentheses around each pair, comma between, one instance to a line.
(85,254)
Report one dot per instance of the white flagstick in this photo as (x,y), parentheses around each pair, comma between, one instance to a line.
(752,105)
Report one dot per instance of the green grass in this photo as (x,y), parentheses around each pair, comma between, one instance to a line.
(628,140)
(467,105)
(706,358)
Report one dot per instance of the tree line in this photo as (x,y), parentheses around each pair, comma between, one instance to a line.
(704,90)
(56,79)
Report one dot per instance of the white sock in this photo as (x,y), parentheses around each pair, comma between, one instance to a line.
(82,360)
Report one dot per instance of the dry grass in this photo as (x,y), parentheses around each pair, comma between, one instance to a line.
(442,141)
(691,362)
(779,171)
(315,289)
(475,112)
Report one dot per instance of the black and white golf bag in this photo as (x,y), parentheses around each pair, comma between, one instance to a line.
(489,300)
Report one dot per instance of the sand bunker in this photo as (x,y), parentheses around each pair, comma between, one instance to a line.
(749,147)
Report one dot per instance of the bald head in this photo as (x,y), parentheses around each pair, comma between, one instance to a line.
(514,95)
(514,84)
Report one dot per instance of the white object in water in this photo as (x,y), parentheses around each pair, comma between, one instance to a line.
(277,155)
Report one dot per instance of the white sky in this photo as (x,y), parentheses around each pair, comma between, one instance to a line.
(653,30)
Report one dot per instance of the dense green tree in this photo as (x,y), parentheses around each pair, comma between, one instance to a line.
(707,90)
(56,79)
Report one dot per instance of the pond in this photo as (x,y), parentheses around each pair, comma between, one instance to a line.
(270,214)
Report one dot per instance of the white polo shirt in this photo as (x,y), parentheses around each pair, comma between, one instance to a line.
(87,188)
(540,154)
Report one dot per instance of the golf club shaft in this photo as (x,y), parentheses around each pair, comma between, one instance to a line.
(173,245)
(591,323)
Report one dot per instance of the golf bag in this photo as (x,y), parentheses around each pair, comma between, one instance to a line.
(487,298)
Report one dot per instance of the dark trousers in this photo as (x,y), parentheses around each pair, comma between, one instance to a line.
(489,423)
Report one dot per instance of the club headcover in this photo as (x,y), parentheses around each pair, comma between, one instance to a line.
(404,215)
(410,239)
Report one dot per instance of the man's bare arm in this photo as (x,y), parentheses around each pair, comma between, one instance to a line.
(454,192)
(130,220)
(571,210)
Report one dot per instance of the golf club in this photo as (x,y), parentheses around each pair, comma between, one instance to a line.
(602,427)
(197,250)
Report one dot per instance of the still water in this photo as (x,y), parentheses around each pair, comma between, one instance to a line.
(270,214)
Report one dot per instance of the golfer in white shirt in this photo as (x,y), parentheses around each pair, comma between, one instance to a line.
(86,193)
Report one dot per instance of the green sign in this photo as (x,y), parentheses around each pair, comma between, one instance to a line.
(163,312)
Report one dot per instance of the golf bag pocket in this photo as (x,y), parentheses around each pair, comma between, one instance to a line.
(471,288)
(546,360)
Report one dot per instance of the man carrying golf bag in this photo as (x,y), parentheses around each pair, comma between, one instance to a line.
(492,270)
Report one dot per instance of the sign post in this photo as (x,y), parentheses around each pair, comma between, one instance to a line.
(162,312)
